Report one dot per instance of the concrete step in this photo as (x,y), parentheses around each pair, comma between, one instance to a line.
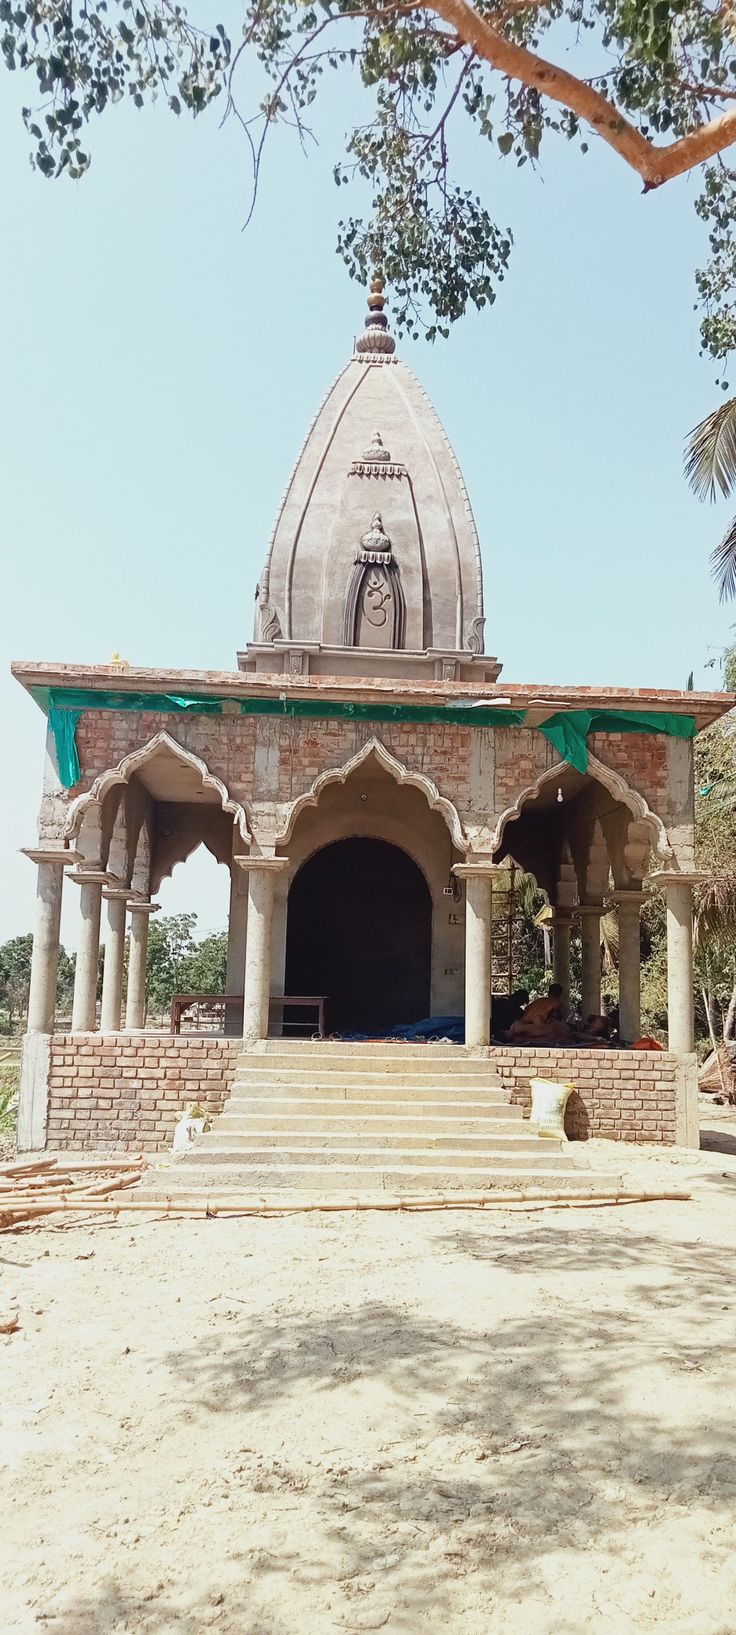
(364,1048)
(186,1178)
(241,1134)
(316,1115)
(427,1066)
(323,1154)
(342,1085)
(354,1080)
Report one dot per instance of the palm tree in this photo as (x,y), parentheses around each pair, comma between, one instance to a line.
(710,464)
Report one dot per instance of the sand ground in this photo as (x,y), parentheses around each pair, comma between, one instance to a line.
(480,1424)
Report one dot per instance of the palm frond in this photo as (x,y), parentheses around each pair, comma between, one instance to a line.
(715,908)
(710,453)
(609,942)
(723,565)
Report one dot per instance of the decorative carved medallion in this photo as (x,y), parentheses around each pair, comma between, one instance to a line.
(474,635)
(375,609)
(269,627)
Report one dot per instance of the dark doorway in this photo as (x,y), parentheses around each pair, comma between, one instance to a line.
(360,931)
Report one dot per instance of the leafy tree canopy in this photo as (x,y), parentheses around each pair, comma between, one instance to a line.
(177,963)
(654,79)
(15,976)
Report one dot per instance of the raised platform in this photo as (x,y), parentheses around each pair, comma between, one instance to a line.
(340,1118)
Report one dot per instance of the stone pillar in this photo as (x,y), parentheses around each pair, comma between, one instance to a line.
(590,939)
(680,977)
(112,975)
(84,1009)
(135,1003)
(237,935)
(278,946)
(629,962)
(478,879)
(561,928)
(45,958)
(262,874)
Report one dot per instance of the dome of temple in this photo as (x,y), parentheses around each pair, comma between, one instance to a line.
(326,603)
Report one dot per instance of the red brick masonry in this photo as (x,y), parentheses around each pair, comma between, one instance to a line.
(626,1095)
(126,1091)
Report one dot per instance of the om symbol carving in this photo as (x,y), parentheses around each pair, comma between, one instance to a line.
(376,600)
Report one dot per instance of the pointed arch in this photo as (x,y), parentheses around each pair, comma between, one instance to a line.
(161,744)
(616,786)
(401,775)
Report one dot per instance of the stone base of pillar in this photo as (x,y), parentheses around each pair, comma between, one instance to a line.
(688,1122)
(33,1100)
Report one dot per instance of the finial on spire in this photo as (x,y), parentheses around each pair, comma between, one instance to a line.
(376,337)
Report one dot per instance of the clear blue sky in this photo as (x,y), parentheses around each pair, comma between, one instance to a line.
(159,368)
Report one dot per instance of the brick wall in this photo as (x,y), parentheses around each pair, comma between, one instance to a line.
(272,759)
(126,1091)
(622,1095)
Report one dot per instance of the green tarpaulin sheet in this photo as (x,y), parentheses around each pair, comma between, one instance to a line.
(63,724)
(330,709)
(90,699)
(568,729)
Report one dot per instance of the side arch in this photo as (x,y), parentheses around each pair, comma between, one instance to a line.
(617,788)
(162,745)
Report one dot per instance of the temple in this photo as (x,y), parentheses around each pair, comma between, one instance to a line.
(368,782)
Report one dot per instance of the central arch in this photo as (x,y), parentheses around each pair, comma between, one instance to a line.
(359,929)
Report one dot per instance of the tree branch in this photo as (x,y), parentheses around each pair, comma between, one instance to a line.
(654,165)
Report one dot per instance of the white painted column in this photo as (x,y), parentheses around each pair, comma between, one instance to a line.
(45,957)
(112,975)
(561,928)
(135,1003)
(680,975)
(84,1009)
(478,879)
(262,874)
(629,962)
(590,939)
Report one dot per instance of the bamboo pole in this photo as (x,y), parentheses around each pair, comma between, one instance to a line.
(20,1167)
(212,1208)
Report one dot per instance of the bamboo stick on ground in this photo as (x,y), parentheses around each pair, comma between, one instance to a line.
(27,1208)
(60,1163)
(21,1166)
(52,1183)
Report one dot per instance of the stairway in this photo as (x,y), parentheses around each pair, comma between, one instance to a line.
(333,1117)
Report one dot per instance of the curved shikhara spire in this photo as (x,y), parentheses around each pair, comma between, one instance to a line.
(375,448)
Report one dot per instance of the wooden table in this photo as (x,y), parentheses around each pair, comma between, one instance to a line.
(181,1002)
(314,1001)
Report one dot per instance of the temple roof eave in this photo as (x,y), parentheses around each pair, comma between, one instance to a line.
(39,677)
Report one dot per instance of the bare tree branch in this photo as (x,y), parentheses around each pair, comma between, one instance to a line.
(655,165)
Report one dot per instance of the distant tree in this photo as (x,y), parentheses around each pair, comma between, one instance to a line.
(170,945)
(205,969)
(715,902)
(15,976)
